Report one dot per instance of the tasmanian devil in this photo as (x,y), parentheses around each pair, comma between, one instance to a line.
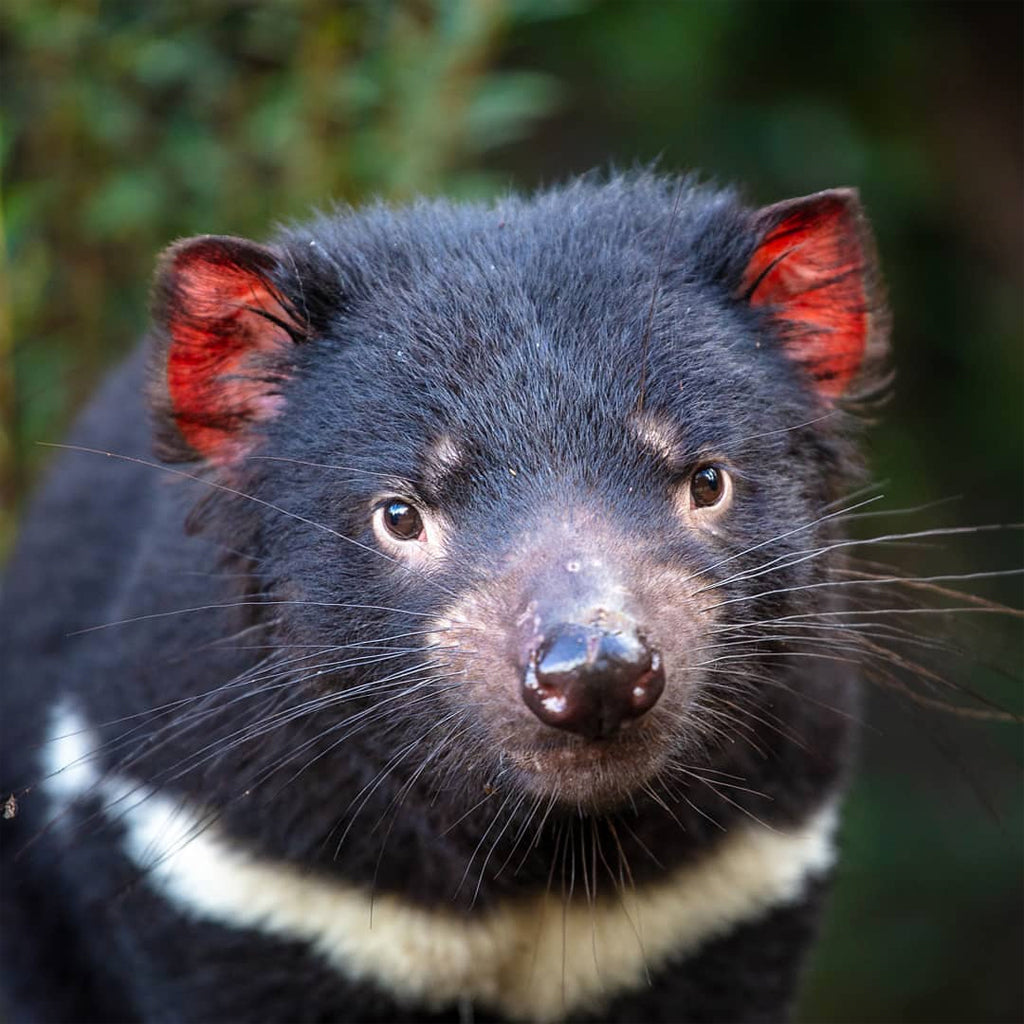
(468,649)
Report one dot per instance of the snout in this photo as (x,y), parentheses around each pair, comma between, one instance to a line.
(591,678)
(576,669)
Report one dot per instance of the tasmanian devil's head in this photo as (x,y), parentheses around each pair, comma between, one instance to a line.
(561,470)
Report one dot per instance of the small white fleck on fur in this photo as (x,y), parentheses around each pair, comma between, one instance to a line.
(509,959)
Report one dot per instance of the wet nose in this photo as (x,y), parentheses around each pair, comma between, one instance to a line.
(590,680)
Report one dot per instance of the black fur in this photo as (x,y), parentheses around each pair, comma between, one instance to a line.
(520,331)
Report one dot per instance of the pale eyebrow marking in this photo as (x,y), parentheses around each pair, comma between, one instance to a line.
(657,434)
(442,456)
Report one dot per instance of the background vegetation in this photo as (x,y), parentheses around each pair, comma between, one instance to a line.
(127,124)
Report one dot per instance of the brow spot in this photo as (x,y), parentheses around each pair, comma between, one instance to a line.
(658,435)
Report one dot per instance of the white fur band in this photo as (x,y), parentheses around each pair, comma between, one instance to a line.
(534,958)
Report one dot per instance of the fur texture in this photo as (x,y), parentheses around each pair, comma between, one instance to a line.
(541,380)
(532,959)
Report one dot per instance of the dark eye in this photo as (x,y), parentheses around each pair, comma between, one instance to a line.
(707,486)
(402,520)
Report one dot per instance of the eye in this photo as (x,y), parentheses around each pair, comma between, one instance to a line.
(708,486)
(402,520)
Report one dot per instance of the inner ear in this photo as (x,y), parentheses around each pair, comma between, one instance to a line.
(228,337)
(814,269)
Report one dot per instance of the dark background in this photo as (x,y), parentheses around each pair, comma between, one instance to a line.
(129,124)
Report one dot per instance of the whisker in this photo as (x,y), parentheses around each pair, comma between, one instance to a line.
(243,604)
(793,558)
(945,577)
(259,501)
(780,536)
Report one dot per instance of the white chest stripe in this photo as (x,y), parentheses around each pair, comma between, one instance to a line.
(533,959)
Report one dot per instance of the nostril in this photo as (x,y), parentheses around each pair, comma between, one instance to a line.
(590,681)
(647,687)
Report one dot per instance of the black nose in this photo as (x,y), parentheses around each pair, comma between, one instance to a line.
(590,680)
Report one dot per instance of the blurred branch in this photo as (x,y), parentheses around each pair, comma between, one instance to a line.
(436,65)
(9,482)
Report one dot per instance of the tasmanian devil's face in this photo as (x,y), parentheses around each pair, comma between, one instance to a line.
(538,453)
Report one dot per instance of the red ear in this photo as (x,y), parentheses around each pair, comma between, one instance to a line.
(229,335)
(814,268)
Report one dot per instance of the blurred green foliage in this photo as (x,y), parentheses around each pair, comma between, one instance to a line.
(127,124)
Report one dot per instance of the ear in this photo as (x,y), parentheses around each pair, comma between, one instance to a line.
(815,271)
(227,337)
